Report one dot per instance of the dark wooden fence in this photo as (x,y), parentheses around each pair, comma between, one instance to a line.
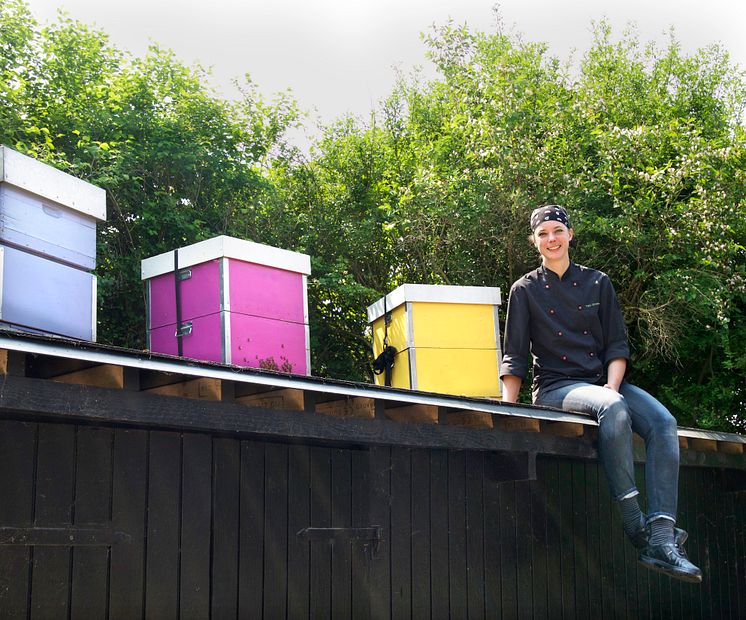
(106,521)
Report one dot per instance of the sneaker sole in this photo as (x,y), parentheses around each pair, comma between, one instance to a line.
(662,567)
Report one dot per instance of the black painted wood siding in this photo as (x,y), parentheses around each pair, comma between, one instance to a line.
(208,526)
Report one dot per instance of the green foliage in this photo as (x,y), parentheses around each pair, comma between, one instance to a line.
(645,145)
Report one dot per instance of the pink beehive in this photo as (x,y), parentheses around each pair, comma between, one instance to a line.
(240,303)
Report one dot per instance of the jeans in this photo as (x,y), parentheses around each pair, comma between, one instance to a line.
(618,414)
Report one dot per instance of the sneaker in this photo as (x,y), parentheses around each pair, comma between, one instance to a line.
(641,537)
(669,560)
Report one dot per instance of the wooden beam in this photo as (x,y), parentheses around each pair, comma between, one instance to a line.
(683,443)
(278,400)
(201,389)
(564,429)
(419,414)
(103,376)
(3,361)
(355,407)
(472,419)
(517,424)
(730,447)
(703,445)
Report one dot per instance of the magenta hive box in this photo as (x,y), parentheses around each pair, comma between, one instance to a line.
(241,303)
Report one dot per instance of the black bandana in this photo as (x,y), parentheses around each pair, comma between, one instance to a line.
(548,213)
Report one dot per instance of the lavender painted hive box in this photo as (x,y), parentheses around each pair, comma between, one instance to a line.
(240,303)
(47,248)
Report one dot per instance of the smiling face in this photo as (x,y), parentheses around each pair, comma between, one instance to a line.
(552,239)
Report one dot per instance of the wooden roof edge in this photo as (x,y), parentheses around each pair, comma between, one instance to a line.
(132,358)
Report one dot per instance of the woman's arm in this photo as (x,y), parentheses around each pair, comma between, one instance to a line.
(615,373)
(511,385)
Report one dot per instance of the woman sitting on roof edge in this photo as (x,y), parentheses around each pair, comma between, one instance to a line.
(569,318)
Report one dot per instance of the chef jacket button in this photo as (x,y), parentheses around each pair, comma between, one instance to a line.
(551,310)
(546,286)
(585,332)
(580,307)
(592,354)
(564,358)
(574,283)
(559,333)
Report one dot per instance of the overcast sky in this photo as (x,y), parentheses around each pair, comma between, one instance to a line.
(339,56)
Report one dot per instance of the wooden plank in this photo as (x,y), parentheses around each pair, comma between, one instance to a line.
(251,535)
(567,543)
(554,533)
(50,589)
(578,523)
(3,361)
(418,414)
(508,550)
(401,528)
(730,447)
(457,534)
(299,517)
(226,468)
(201,389)
(129,494)
(341,489)
(475,532)
(278,400)
(439,539)
(354,407)
(380,490)
(472,419)
(524,566)
(539,550)
(90,568)
(703,445)
(275,530)
(17,457)
(420,542)
(196,521)
(103,376)
(517,424)
(362,554)
(321,516)
(163,514)
(563,429)
(683,443)
(593,534)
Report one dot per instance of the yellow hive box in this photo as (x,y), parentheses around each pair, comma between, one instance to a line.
(447,338)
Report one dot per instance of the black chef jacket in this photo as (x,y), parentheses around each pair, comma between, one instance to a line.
(572,325)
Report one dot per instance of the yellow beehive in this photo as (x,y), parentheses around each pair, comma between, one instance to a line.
(447,338)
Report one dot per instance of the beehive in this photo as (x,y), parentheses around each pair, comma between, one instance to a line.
(47,248)
(241,303)
(447,338)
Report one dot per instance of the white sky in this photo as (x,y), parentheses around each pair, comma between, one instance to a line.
(338,56)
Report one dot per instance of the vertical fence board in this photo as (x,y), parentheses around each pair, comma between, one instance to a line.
(341,490)
(275,530)
(226,485)
(581,553)
(251,530)
(321,516)
(524,534)
(475,534)
(129,499)
(595,587)
(457,533)
(439,568)
(420,541)
(299,517)
(90,574)
(55,474)
(401,526)
(17,456)
(380,490)
(539,550)
(196,523)
(362,553)
(508,550)
(162,555)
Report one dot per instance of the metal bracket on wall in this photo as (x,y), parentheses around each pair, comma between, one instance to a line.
(370,537)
